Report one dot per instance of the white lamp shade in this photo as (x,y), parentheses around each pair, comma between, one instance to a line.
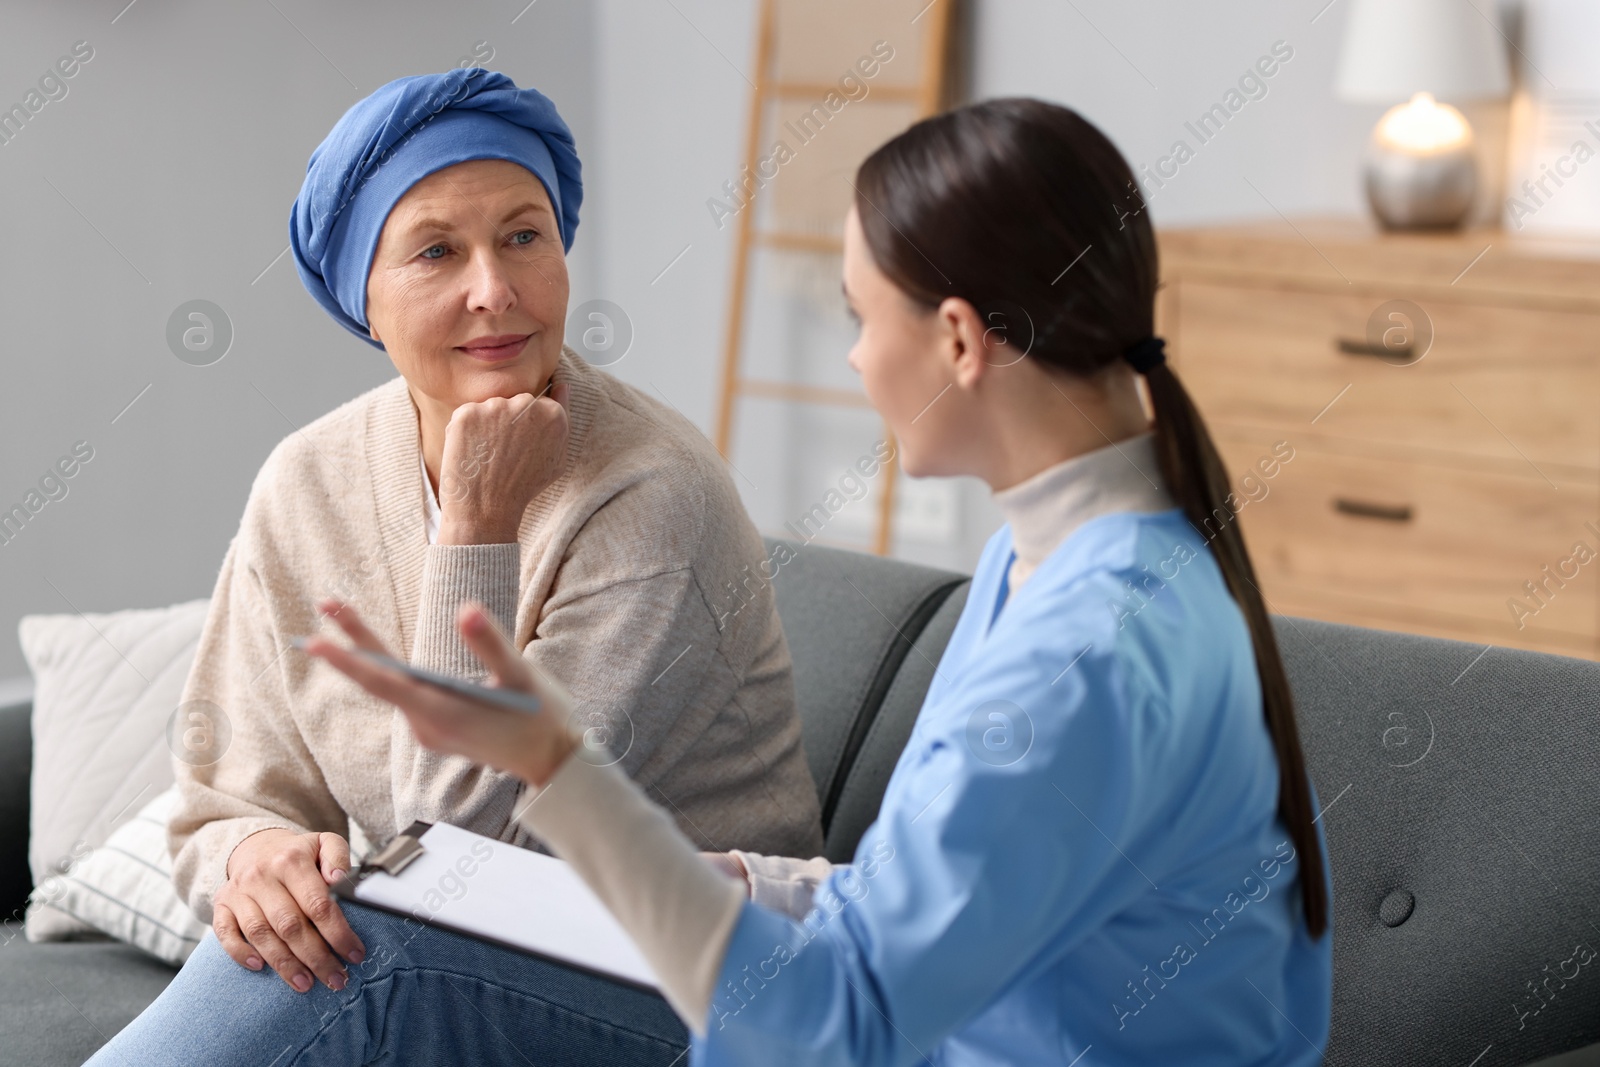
(1562,40)
(1396,48)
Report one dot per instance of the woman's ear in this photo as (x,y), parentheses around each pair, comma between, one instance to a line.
(965,341)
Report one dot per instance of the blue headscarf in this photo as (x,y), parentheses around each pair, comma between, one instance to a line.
(396,137)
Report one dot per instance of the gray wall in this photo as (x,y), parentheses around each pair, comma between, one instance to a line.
(167,172)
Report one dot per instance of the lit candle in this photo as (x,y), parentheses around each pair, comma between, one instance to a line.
(1421,169)
(1423,126)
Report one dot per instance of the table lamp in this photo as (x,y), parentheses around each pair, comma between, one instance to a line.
(1420,168)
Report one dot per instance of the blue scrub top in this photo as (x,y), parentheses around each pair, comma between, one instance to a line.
(1078,859)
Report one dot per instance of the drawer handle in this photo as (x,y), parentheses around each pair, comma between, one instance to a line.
(1352,347)
(1367,510)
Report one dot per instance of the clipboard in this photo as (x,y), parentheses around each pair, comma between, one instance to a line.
(443,875)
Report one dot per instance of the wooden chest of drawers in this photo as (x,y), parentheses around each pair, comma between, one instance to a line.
(1441,398)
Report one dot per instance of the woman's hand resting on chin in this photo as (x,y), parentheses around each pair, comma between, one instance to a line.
(532,747)
(499,454)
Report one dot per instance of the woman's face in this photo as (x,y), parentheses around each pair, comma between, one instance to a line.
(896,355)
(470,254)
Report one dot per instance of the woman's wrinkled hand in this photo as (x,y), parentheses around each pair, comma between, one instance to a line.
(532,747)
(499,454)
(276,908)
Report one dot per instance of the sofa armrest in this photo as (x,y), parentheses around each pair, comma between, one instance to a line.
(16,762)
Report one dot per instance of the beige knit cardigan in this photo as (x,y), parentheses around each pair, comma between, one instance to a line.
(618,586)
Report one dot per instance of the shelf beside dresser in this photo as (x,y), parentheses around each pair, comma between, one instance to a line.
(1428,488)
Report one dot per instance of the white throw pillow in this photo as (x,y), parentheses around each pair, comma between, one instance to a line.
(105,688)
(124,887)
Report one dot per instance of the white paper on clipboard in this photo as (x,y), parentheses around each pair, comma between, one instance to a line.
(499,892)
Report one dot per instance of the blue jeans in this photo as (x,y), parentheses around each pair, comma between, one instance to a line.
(421,995)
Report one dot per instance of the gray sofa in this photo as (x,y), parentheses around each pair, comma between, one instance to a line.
(1459,795)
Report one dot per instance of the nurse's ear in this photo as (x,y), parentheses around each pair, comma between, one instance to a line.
(968,344)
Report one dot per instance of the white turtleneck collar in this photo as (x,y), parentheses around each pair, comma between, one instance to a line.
(1045,508)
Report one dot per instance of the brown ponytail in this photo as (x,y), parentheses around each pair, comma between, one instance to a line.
(1002,196)
(1198,482)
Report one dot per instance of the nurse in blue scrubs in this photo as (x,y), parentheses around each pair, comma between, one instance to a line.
(1099,845)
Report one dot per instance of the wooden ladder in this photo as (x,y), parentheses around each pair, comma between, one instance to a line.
(795,38)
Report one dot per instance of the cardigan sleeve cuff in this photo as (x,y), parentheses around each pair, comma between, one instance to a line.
(676,907)
(451,575)
(784,883)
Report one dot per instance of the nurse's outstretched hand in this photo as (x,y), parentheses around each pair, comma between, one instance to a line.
(532,747)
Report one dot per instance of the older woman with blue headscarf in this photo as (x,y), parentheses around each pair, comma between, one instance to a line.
(599,526)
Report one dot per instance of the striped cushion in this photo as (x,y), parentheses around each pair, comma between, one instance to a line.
(124,887)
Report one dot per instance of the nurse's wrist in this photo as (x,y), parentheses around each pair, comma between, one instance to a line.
(547,754)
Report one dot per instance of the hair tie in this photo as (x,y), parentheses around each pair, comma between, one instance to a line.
(1146,355)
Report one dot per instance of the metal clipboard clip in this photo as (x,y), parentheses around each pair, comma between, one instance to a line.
(391,859)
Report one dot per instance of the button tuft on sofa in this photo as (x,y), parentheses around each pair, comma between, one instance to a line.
(1396,907)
